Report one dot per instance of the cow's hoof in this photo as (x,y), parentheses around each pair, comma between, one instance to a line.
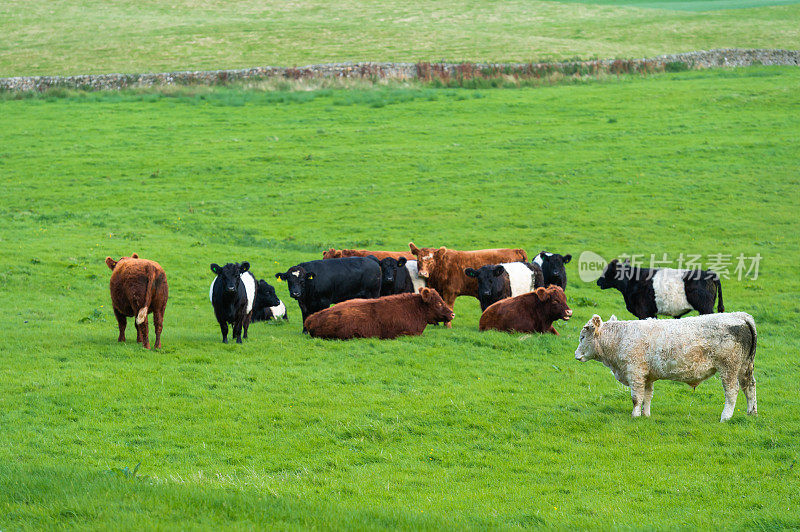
(238,340)
(224,340)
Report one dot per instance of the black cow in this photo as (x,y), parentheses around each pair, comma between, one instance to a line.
(666,291)
(395,278)
(267,305)
(552,265)
(318,284)
(510,279)
(232,293)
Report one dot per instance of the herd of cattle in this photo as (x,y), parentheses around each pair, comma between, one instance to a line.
(386,294)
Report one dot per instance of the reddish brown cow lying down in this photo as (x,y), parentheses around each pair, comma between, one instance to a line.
(138,287)
(385,317)
(380,255)
(532,312)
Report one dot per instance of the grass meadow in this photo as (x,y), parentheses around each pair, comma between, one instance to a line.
(39,37)
(454,428)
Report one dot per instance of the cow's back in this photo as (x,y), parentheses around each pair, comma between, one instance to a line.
(344,278)
(688,349)
(129,282)
(380,255)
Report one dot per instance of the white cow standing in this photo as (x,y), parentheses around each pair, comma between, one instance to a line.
(689,350)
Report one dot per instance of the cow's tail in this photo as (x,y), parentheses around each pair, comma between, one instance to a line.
(720,306)
(751,324)
(141,317)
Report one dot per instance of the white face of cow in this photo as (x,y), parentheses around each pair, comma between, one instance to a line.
(589,340)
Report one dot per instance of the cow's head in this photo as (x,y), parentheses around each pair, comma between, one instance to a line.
(612,274)
(438,311)
(552,265)
(389,267)
(491,280)
(331,254)
(230,275)
(111,263)
(427,259)
(265,296)
(589,342)
(298,279)
(554,303)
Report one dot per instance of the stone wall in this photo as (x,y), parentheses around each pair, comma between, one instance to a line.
(405,71)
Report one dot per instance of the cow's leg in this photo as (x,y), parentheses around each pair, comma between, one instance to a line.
(637,396)
(122,321)
(553,330)
(730,383)
(748,384)
(158,324)
(138,330)
(143,329)
(223,326)
(648,396)
(246,323)
(237,331)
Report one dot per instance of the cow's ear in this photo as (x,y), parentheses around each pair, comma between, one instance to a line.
(597,321)
(612,318)
(135,256)
(542,294)
(243,267)
(215,268)
(309,276)
(471,272)
(280,276)
(373,257)
(426,294)
(110,262)
(414,249)
(498,271)
(567,258)
(401,262)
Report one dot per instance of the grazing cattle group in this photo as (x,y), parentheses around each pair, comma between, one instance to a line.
(386,294)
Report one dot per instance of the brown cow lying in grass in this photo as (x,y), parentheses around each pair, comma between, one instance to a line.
(532,312)
(444,268)
(385,317)
(138,287)
(380,255)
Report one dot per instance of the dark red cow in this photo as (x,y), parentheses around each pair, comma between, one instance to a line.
(444,268)
(138,287)
(380,255)
(532,312)
(385,317)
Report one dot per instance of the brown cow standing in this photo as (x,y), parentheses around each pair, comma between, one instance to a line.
(380,255)
(385,317)
(532,312)
(444,268)
(138,287)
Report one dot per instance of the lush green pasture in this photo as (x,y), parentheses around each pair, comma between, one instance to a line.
(452,428)
(83,37)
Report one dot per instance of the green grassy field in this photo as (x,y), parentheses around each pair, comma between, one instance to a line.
(90,37)
(452,428)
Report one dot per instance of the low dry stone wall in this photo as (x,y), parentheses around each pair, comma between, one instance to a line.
(406,71)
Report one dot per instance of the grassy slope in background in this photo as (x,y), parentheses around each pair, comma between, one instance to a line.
(454,427)
(80,37)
